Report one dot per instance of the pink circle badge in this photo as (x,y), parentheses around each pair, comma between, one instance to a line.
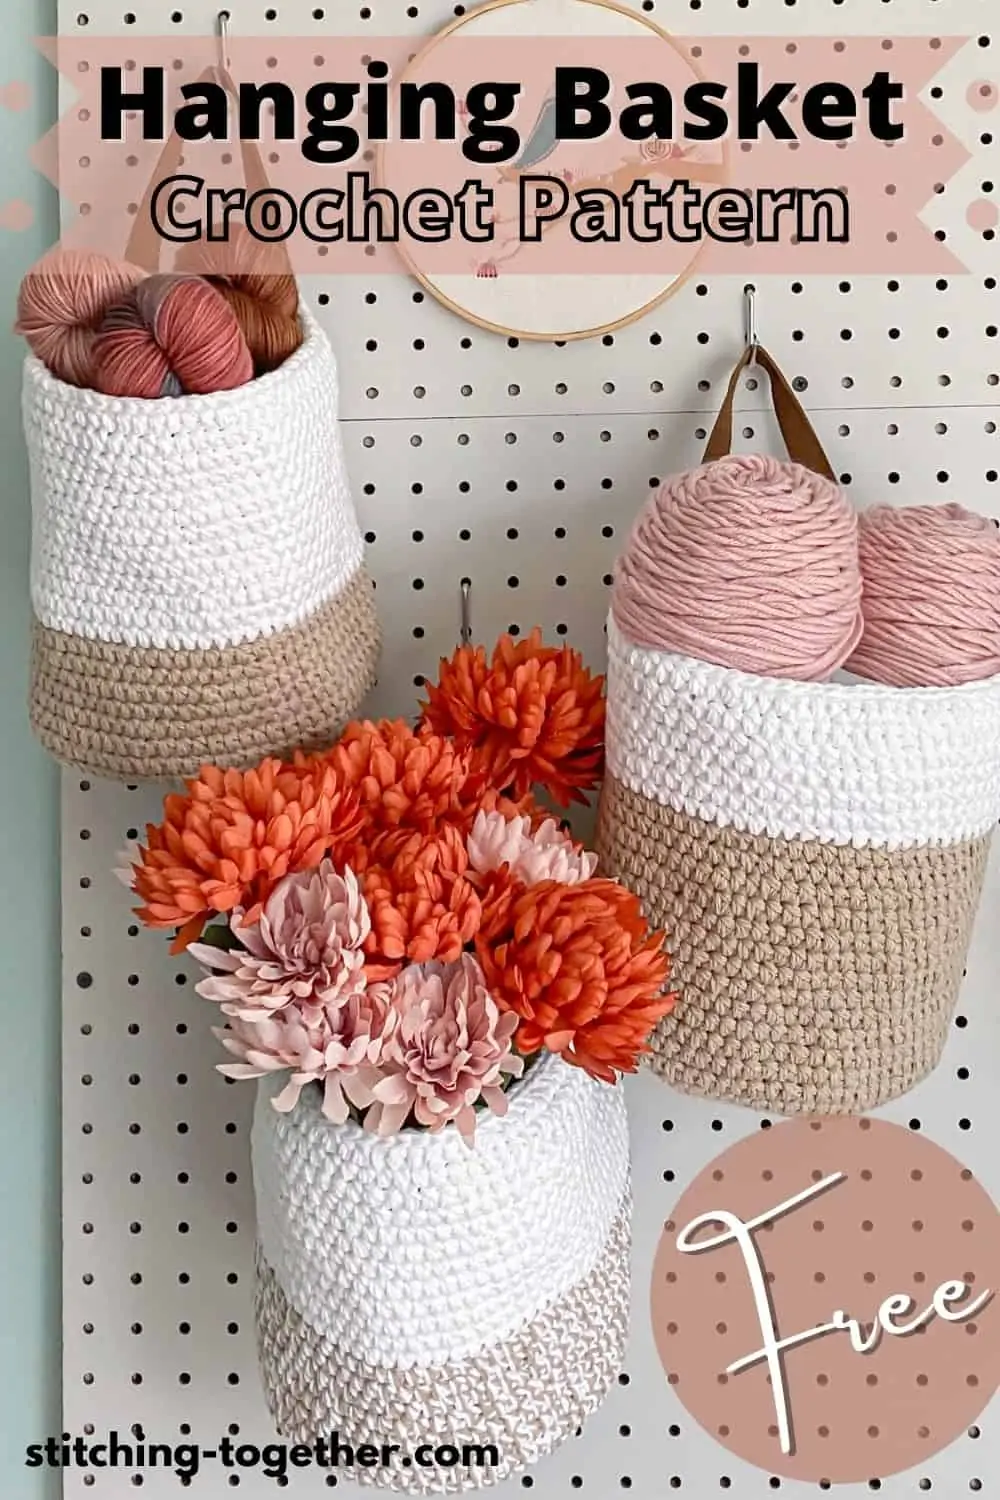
(823,1299)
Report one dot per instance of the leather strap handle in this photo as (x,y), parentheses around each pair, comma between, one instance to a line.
(145,245)
(804,447)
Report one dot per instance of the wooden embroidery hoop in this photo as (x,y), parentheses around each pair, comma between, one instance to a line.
(548,336)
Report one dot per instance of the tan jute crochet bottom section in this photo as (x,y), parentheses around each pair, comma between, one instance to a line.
(811,977)
(525,1395)
(142,713)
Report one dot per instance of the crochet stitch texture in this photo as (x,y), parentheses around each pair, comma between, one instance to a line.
(416,1288)
(816,853)
(197,578)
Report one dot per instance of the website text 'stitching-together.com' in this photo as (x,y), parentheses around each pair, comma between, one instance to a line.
(273,1460)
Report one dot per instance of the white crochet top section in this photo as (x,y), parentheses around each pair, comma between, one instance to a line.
(189,521)
(845,763)
(416,1249)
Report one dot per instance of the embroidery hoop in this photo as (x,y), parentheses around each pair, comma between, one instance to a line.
(443,289)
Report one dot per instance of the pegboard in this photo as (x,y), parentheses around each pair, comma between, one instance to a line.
(520,467)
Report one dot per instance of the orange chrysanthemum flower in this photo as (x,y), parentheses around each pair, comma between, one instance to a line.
(411,779)
(405,778)
(421,903)
(497,890)
(580,967)
(233,835)
(533,715)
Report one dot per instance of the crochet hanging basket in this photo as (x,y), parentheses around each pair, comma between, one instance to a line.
(197,579)
(411,1290)
(816,853)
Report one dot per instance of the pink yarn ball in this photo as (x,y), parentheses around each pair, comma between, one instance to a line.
(749,563)
(171,336)
(931,600)
(61,303)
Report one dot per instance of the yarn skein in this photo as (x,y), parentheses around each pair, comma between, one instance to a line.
(931,596)
(170,336)
(255,280)
(748,563)
(60,306)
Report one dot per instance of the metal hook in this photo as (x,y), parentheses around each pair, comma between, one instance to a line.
(750,321)
(466,629)
(223,20)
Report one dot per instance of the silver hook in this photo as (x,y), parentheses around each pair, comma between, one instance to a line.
(466,630)
(223,20)
(750,321)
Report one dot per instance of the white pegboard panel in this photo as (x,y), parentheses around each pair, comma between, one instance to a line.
(863,342)
(519,466)
(158,1211)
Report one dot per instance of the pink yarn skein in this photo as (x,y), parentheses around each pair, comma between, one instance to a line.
(746,562)
(170,336)
(61,304)
(931,596)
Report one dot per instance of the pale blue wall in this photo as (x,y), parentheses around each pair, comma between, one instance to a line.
(29,869)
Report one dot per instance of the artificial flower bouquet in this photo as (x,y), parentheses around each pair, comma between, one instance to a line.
(413,956)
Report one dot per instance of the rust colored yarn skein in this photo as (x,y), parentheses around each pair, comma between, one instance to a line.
(170,336)
(256,281)
(61,304)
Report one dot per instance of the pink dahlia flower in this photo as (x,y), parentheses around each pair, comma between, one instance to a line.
(307,947)
(338,1046)
(545,854)
(450,1049)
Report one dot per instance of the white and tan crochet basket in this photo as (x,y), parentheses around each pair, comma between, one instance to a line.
(414,1291)
(816,853)
(197,577)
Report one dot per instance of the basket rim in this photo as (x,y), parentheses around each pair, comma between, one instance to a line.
(315,345)
(543,1067)
(790,688)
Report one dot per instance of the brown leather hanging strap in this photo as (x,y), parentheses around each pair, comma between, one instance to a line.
(804,447)
(145,244)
